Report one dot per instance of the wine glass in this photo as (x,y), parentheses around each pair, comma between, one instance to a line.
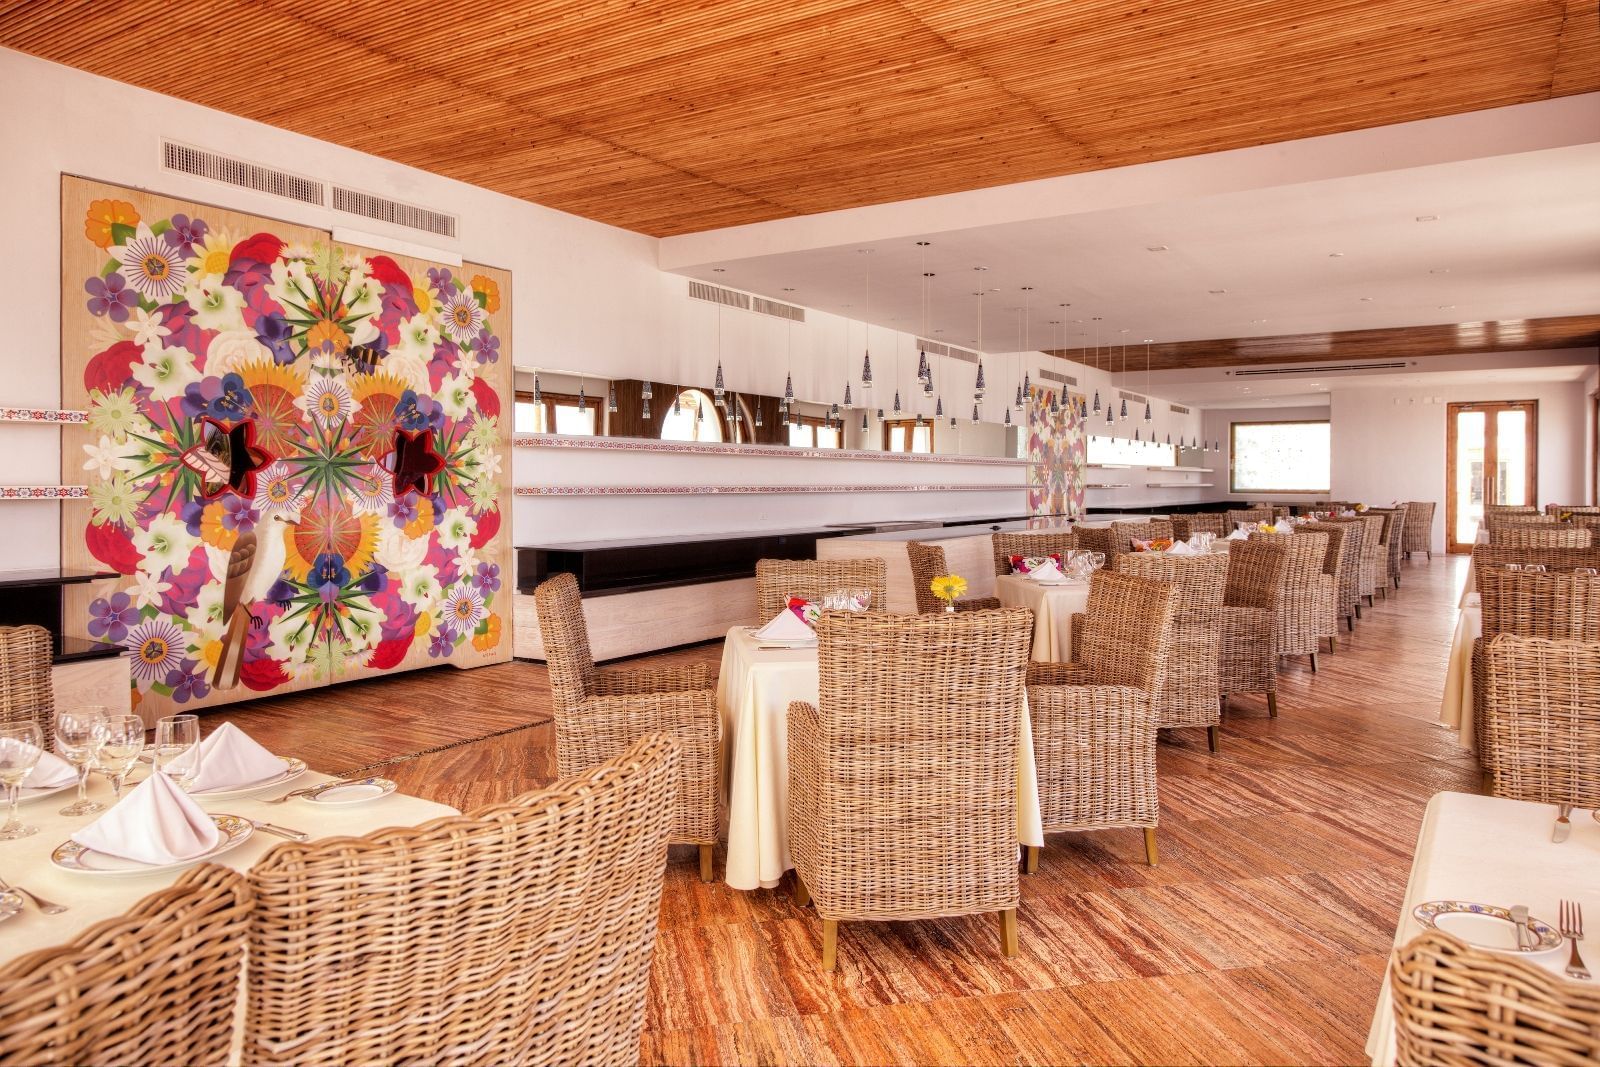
(21,744)
(177,748)
(78,735)
(124,740)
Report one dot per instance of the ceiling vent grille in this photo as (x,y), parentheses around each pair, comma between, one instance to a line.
(1057,376)
(394,212)
(1313,370)
(718,295)
(1177,409)
(186,159)
(764,306)
(937,348)
(1134,398)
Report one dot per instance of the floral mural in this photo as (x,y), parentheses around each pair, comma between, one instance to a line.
(1057,452)
(294,456)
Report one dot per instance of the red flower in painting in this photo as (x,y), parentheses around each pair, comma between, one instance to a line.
(387,271)
(262,675)
(260,248)
(488,526)
(390,652)
(111,545)
(108,371)
(488,400)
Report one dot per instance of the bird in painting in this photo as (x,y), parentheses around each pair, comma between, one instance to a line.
(253,566)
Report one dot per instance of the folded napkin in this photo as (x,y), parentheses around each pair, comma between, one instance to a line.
(1184,548)
(1238,535)
(786,626)
(49,772)
(155,823)
(1048,571)
(231,758)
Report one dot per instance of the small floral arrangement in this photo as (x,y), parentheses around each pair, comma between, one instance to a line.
(1360,508)
(948,588)
(1027,564)
(805,611)
(1268,527)
(1159,544)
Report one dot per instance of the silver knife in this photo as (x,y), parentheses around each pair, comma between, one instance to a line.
(1519,915)
(1563,825)
(298,835)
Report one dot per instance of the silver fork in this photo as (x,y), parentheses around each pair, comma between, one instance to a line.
(1572,926)
(39,902)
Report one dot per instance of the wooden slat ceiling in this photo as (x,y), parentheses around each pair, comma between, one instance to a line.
(671,116)
(1402,342)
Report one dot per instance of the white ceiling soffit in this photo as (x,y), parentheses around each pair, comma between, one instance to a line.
(1309,236)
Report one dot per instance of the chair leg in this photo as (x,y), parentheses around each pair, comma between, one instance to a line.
(1008,932)
(1358,614)
(1313,663)
(802,895)
(1350,620)
(1211,738)
(1397,581)
(1430,554)
(1030,859)
(1151,855)
(1272,705)
(1333,644)
(705,862)
(830,944)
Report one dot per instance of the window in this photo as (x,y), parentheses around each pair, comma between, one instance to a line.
(904,435)
(1126,452)
(1280,457)
(693,417)
(557,410)
(811,432)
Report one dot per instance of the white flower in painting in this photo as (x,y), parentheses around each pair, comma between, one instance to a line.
(463,610)
(152,265)
(467,560)
(463,318)
(107,457)
(364,332)
(409,368)
(289,638)
(233,349)
(216,307)
(363,627)
(166,372)
(205,616)
(418,336)
(400,554)
(156,647)
(456,528)
(165,542)
(277,491)
(372,490)
(147,328)
(363,296)
(327,400)
(455,396)
(147,588)
(292,287)
(419,587)
(481,464)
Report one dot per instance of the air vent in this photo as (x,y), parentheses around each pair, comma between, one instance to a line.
(1057,376)
(718,295)
(1133,398)
(202,163)
(394,212)
(763,306)
(936,348)
(1313,370)
(1177,409)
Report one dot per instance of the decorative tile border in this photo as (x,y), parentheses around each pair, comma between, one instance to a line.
(750,490)
(44,492)
(47,415)
(642,444)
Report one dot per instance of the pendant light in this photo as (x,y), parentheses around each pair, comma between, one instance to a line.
(866,358)
(974,414)
(717,388)
(611,399)
(583,399)
(978,386)
(1027,344)
(1097,362)
(863,420)
(938,408)
(647,393)
(538,393)
(644,412)
(1124,413)
(677,405)
(757,419)
(1008,417)
(1147,341)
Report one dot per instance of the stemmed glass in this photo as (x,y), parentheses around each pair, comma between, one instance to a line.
(177,748)
(124,740)
(21,744)
(78,734)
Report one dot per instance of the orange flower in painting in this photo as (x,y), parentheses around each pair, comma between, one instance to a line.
(104,214)
(423,523)
(326,331)
(212,532)
(490,637)
(490,289)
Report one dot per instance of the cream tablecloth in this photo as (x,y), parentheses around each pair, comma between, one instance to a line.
(1456,710)
(1489,850)
(1053,607)
(754,689)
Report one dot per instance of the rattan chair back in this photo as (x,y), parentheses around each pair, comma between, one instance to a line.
(1256,572)
(566,640)
(1457,1006)
(1510,509)
(1551,535)
(1518,521)
(1418,534)
(1553,604)
(1544,726)
(1190,694)
(1307,598)
(1127,630)
(927,563)
(1031,543)
(1123,534)
(519,933)
(26,691)
(1236,516)
(1336,564)
(1185,526)
(779,579)
(156,986)
(1359,575)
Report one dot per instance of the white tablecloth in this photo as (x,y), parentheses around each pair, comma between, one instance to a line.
(1456,710)
(1053,607)
(92,898)
(1488,850)
(1471,585)
(754,689)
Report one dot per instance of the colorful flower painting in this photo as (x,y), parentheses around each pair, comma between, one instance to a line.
(293,453)
(1057,452)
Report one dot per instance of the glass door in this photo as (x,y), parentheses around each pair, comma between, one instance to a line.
(1491,458)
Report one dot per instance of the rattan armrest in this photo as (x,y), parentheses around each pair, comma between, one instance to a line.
(978,603)
(621,719)
(1075,625)
(1089,713)
(1059,674)
(667,678)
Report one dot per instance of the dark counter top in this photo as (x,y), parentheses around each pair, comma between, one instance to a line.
(50,576)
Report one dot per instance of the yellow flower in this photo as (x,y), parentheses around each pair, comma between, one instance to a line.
(423,298)
(104,214)
(424,625)
(490,637)
(1268,528)
(948,587)
(423,523)
(329,332)
(490,289)
(211,653)
(213,254)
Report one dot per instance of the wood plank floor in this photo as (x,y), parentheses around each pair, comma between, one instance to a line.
(1261,938)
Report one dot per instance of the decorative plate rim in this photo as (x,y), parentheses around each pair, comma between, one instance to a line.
(236,831)
(1549,937)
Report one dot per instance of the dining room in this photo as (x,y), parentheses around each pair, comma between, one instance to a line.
(849,533)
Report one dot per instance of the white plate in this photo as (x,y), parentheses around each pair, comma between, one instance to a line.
(1486,926)
(296,768)
(26,794)
(71,856)
(358,791)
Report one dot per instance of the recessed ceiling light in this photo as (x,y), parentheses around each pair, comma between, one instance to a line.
(1440,270)
(1446,307)
(1427,218)
(788,288)
(1149,340)
(1366,300)
(1217,292)
(718,270)
(1335,255)
(1257,322)
(1155,248)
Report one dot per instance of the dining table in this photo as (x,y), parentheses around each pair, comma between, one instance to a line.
(1455,710)
(755,686)
(1499,852)
(1053,606)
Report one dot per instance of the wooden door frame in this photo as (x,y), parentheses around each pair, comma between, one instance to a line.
(1491,450)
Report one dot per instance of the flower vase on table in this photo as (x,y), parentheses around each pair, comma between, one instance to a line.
(948,588)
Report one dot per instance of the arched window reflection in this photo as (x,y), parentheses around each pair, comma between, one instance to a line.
(693,418)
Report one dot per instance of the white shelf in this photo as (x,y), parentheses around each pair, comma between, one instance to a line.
(1110,485)
(1109,466)
(1194,470)
(1178,485)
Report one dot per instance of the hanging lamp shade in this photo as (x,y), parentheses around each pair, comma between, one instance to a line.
(863,419)
(1136,433)
(897,402)
(647,393)
(583,400)
(922,367)
(758,412)
(645,412)
(880,414)
(1124,408)
(938,408)
(1008,417)
(1017,403)
(974,414)
(788,388)
(677,405)
(927,383)
(611,399)
(866,369)
(717,389)
(1097,401)
(538,393)
(846,395)
(1147,411)
(978,386)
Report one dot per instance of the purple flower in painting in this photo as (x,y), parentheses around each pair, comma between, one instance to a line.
(178,318)
(111,296)
(274,332)
(251,279)
(415,412)
(404,510)
(187,685)
(280,592)
(110,620)
(186,233)
(442,644)
(191,512)
(400,620)
(375,580)
(238,513)
(225,399)
(329,576)
(441,281)
(487,578)
(488,348)
(185,586)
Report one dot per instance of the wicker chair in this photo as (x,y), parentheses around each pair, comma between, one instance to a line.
(1237,515)
(1397,540)
(1094,720)
(928,563)
(1552,535)
(1185,526)
(155,986)
(1545,723)
(1249,654)
(1123,534)
(1374,557)
(519,933)
(1336,565)
(1554,559)
(779,579)
(1419,528)
(1097,539)
(1191,693)
(1510,509)
(1359,569)
(601,712)
(1035,543)
(26,690)
(1456,1006)
(903,778)
(1308,595)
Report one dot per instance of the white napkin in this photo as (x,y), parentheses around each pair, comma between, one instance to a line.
(786,626)
(1184,548)
(1048,571)
(49,772)
(1238,535)
(231,758)
(155,823)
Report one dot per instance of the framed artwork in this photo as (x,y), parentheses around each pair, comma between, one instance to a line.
(1057,452)
(295,450)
